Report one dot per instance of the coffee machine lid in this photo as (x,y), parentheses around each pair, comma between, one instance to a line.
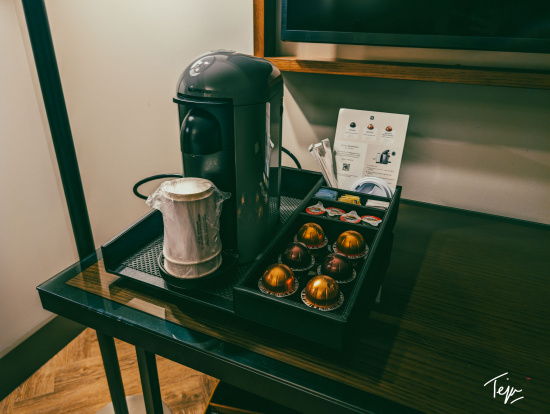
(223,74)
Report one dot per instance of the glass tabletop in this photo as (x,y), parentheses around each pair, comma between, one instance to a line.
(465,300)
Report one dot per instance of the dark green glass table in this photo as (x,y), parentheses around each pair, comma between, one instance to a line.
(464,301)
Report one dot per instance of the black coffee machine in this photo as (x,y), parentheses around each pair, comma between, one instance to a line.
(230,109)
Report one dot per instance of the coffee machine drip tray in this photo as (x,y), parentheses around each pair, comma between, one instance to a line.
(134,253)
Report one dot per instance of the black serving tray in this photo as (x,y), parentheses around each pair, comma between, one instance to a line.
(133,254)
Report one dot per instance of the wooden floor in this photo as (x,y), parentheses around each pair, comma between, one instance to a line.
(74,382)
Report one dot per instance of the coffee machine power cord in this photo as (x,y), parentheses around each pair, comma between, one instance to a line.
(159,176)
(291,155)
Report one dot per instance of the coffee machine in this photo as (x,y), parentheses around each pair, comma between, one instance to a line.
(230,116)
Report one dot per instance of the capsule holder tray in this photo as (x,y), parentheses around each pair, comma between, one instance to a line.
(291,314)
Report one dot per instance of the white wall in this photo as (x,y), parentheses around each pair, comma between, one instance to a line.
(36,239)
(478,148)
(119,63)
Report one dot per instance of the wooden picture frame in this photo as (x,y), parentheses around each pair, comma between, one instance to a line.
(264,46)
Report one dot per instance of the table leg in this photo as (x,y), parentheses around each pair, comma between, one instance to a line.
(149,381)
(112,371)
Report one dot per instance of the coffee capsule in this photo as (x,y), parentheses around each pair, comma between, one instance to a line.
(297,257)
(352,245)
(338,267)
(313,236)
(278,280)
(322,292)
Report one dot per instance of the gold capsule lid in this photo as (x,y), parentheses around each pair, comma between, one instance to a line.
(351,244)
(312,235)
(322,292)
(278,280)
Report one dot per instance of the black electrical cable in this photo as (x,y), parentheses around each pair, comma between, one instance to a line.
(156,177)
(146,180)
(291,155)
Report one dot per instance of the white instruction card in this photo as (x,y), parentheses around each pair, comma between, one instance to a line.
(368,144)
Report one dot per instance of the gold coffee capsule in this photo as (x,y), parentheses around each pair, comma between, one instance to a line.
(312,235)
(278,280)
(351,243)
(322,292)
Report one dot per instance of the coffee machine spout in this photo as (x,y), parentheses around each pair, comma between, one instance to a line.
(202,149)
